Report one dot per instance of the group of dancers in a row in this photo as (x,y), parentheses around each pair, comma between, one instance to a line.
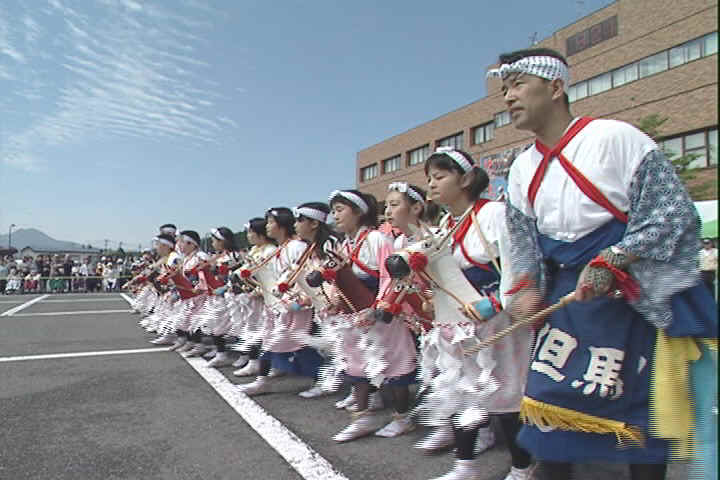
(538,311)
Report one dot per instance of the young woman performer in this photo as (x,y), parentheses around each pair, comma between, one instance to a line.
(217,308)
(356,216)
(281,348)
(478,243)
(189,286)
(311,226)
(247,318)
(168,303)
(152,297)
(404,207)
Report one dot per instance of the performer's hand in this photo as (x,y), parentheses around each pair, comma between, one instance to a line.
(593,282)
(599,276)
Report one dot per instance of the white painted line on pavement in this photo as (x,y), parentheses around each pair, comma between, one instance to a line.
(81,312)
(14,310)
(81,354)
(83,300)
(301,457)
(126,298)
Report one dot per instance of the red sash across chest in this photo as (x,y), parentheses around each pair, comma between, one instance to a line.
(462,230)
(354,255)
(585,185)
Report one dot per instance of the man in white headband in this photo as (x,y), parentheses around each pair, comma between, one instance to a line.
(544,66)
(595,209)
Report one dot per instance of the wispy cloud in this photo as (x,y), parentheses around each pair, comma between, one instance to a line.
(113,68)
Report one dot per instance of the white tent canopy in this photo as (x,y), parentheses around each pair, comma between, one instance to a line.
(708,210)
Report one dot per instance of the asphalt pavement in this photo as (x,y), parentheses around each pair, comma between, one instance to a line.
(119,408)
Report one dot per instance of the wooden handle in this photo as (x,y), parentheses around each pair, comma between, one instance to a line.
(570,297)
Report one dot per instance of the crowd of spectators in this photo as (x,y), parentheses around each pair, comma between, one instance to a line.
(63,274)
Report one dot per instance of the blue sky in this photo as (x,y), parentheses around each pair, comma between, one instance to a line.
(120,115)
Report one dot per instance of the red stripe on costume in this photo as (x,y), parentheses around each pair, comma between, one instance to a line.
(463,229)
(585,185)
(354,256)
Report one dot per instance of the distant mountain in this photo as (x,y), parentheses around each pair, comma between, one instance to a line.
(31,237)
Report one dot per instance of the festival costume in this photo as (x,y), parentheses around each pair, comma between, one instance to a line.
(444,366)
(167,303)
(380,353)
(188,283)
(247,309)
(598,364)
(284,328)
(371,351)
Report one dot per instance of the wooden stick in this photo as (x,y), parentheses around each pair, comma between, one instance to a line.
(569,298)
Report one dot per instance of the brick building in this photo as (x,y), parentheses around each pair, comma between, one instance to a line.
(628,60)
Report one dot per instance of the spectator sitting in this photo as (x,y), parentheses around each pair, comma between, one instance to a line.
(14,281)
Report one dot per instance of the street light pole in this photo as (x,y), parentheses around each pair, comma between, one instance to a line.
(12,225)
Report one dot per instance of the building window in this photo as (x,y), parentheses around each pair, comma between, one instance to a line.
(483,133)
(419,155)
(391,164)
(713,146)
(703,144)
(674,57)
(710,44)
(578,91)
(652,65)
(685,53)
(624,75)
(502,118)
(599,84)
(369,172)
(455,141)
(695,144)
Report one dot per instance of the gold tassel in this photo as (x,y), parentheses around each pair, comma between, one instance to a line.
(711,343)
(542,414)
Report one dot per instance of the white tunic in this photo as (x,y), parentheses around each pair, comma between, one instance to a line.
(369,251)
(491,219)
(607,152)
(289,255)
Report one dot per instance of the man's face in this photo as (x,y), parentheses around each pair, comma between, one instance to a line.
(528,99)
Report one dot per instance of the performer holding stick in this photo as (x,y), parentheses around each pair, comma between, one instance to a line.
(595,206)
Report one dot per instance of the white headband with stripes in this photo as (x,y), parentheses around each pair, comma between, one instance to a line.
(403,187)
(216,233)
(359,202)
(312,213)
(541,66)
(190,240)
(164,241)
(458,157)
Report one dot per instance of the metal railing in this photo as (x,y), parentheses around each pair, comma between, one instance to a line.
(63,284)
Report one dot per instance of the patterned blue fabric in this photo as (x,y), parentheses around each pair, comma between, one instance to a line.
(524,248)
(593,357)
(664,231)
